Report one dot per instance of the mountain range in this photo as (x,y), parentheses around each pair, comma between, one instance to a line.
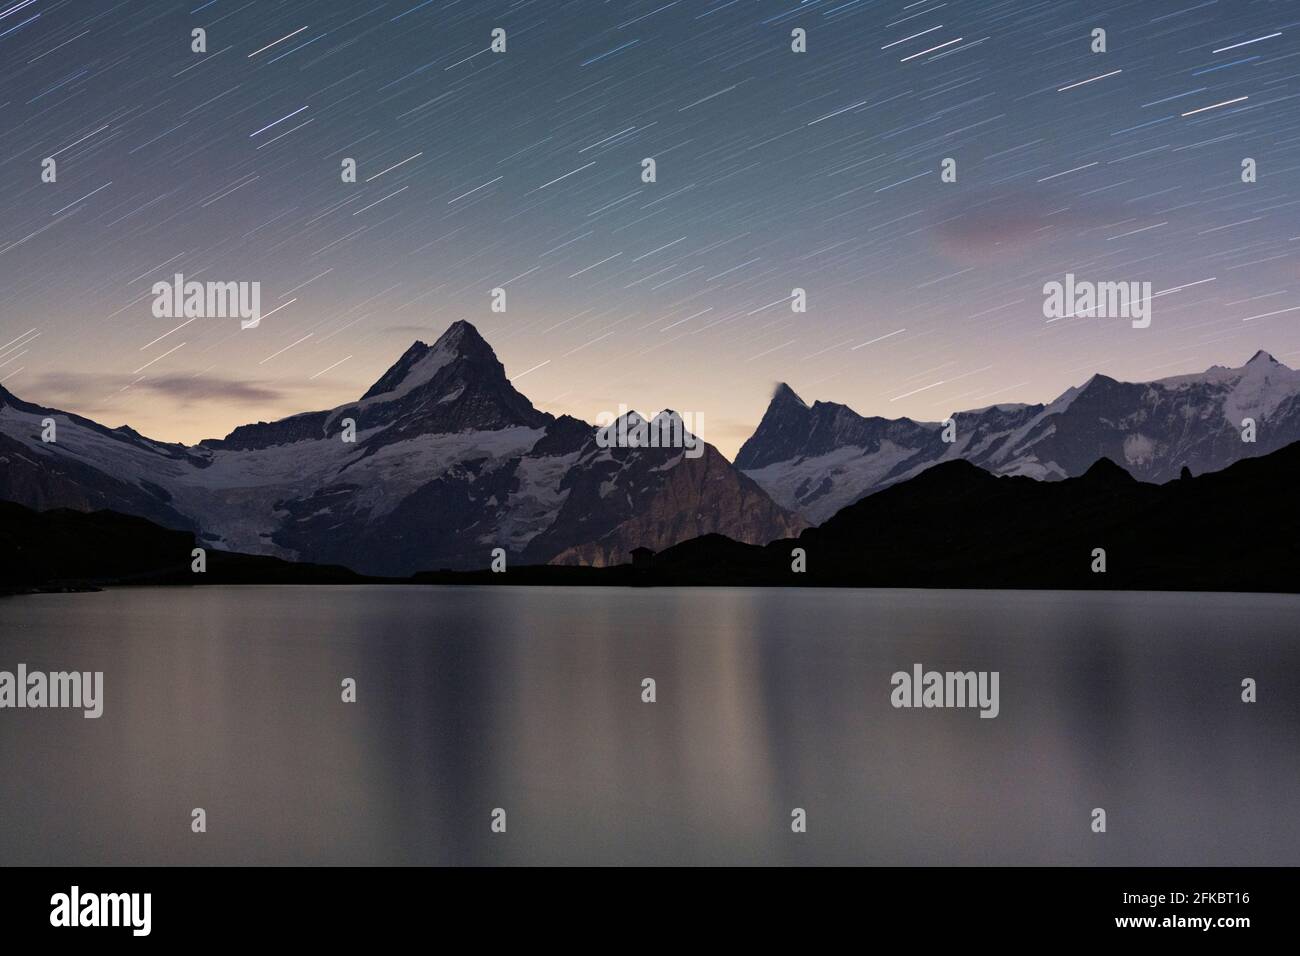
(958,526)
(449,462)
(818,459)
(953,526)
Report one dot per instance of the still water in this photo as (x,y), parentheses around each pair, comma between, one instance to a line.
(530,700)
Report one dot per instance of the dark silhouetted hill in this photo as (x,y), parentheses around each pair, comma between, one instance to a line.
(68,549)
(956,525)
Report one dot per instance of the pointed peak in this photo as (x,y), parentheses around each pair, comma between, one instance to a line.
(460,335)
(1097,378)
(462,340)
(785,394)
(421,362)
(1262,358)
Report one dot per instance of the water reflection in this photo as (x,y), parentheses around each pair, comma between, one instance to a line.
(530,700)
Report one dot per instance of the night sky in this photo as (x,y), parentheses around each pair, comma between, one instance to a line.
(522,170)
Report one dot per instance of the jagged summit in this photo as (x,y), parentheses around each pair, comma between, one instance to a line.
(666,420)
(456,384)
(443,458)
(784,393)
(1098,380)
(421,362)
(792,428)
(818,459)
(465,339)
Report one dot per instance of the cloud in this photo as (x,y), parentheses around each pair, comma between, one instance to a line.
(1003,226)
(93,391)
(206,388)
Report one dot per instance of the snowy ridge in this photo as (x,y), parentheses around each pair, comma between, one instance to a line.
(817,459)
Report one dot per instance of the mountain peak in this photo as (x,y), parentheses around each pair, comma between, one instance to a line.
(1098,380)
(461,335)
(421,362)
(783,428)
(1262,358)
(785,394)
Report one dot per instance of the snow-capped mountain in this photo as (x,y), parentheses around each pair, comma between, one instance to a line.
(818,459)
(449,462)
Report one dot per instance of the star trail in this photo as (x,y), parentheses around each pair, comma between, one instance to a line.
(522,170)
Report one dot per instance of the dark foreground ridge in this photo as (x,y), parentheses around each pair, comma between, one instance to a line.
(67,550)
(957,526)
(953,526)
